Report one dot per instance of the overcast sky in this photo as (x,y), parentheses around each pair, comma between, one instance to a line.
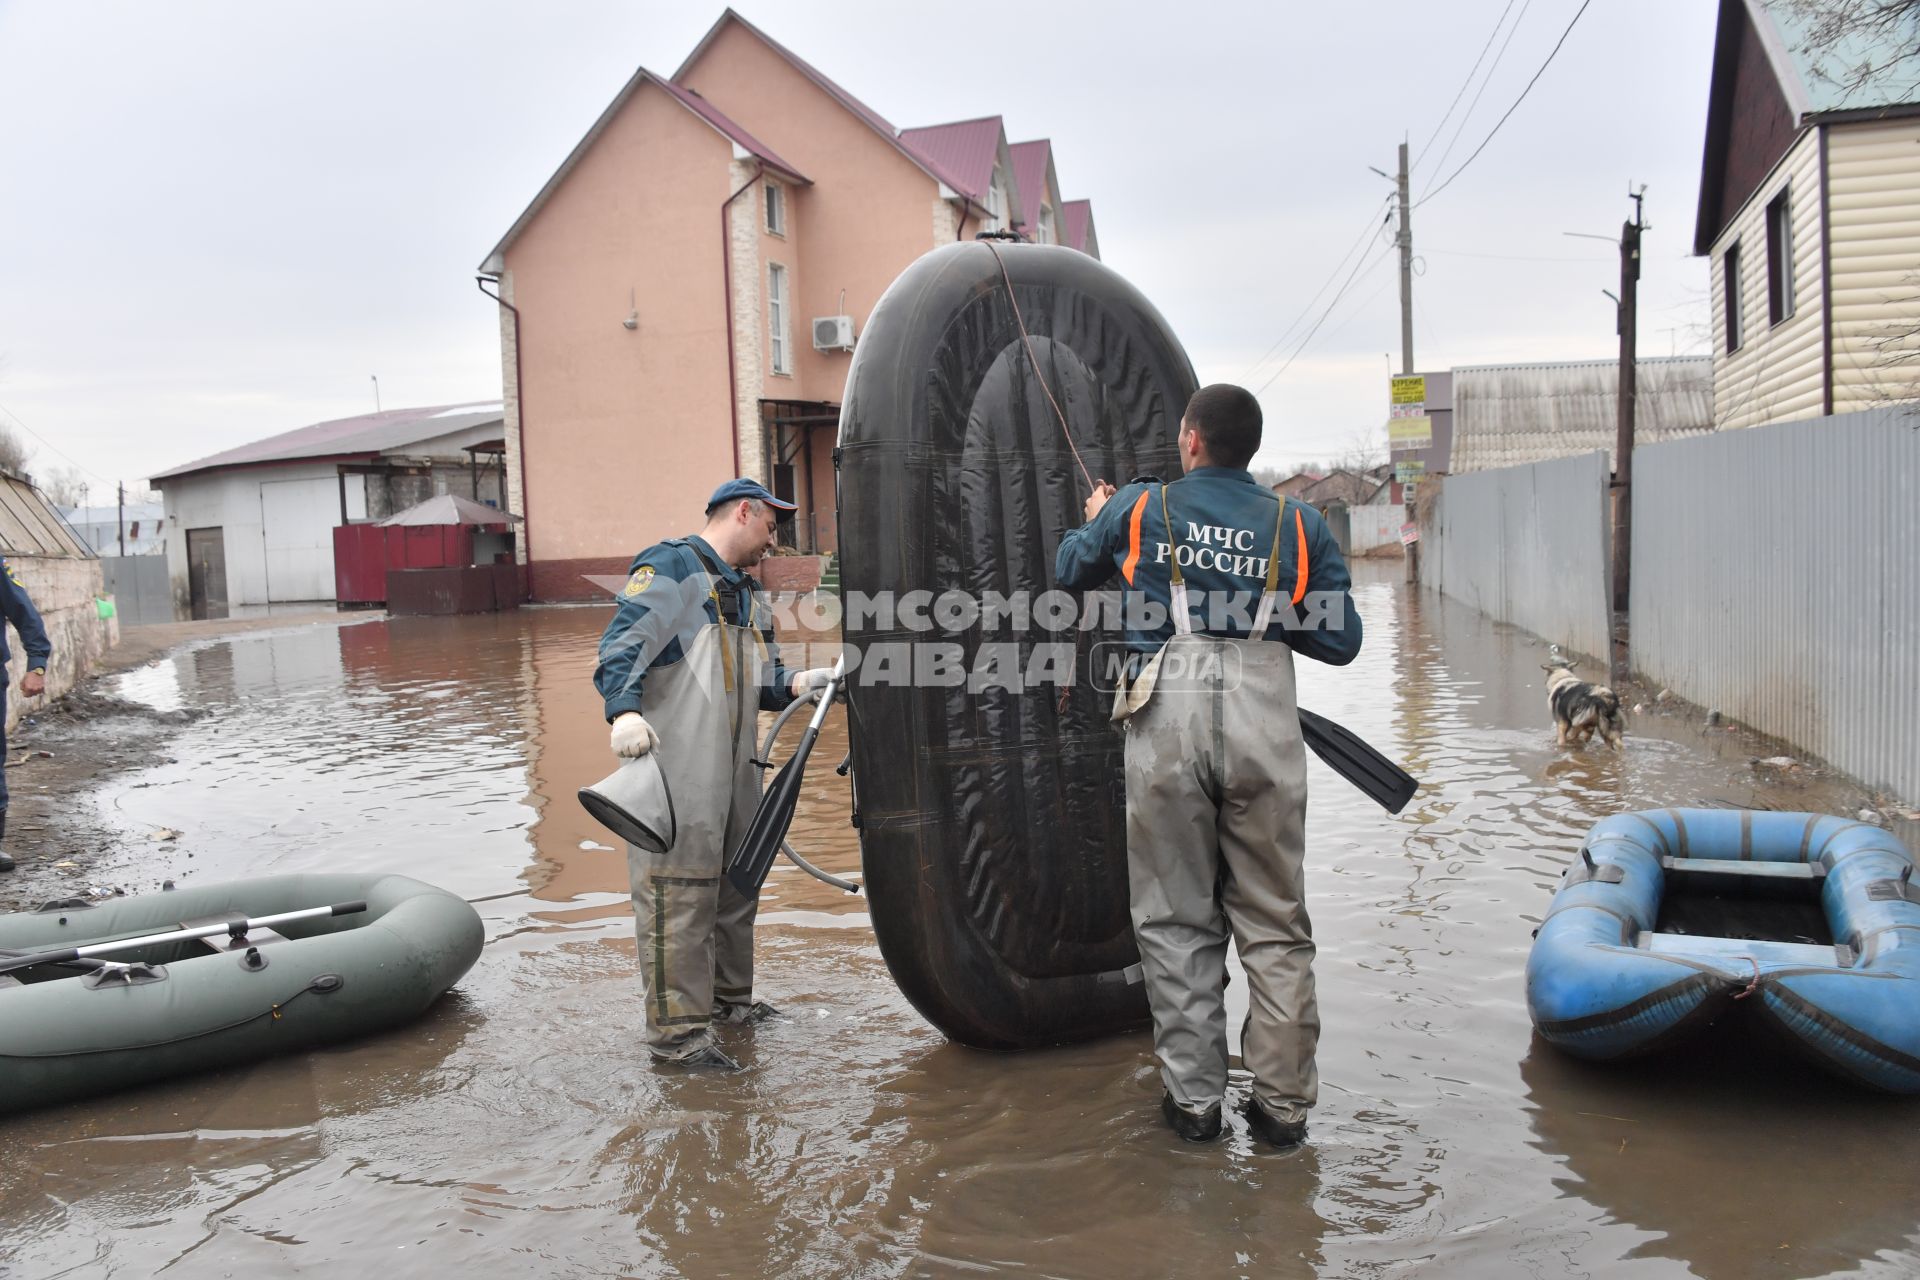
(219,220)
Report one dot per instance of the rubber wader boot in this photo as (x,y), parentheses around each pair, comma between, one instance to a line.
(734,1015)
(710,1057)
(1194,1126)
(1285,1134)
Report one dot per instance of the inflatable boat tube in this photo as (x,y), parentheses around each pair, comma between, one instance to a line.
(992,818)
(1604,982)
(190,1006)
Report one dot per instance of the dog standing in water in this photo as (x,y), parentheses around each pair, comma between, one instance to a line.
(1580,710)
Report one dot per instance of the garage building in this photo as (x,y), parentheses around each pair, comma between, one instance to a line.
(253,526)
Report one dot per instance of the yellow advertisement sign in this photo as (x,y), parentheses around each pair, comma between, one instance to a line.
(1410,389)
(1409,433)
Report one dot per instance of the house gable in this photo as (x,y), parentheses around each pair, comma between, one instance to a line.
(742,142)
(1751,123)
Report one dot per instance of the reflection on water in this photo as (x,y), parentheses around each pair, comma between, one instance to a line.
(518,1130)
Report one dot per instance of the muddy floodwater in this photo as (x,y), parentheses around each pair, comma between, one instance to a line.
(518,1131)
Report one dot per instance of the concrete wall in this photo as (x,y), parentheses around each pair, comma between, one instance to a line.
(63,590)
(1528,546)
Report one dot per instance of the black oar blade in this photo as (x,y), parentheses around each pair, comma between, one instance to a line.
(1356,760)
(753,858)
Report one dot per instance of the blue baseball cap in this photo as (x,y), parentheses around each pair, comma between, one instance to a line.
(735,490)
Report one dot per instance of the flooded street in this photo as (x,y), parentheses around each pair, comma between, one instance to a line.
(518,1130)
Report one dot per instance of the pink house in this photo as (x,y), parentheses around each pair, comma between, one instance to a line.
(681,298)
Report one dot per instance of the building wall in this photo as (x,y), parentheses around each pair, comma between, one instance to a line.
(864,219)
(510,411)
(230,500)
(624,431)
(63,590)
(1873,176)
(1777,372)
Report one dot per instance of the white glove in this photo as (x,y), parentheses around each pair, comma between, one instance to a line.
(814,678)
(633,737)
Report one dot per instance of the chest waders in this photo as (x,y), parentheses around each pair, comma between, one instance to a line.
(1216,813)
(695,932)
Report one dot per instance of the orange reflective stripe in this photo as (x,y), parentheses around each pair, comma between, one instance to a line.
(1133,539)
(1300,559)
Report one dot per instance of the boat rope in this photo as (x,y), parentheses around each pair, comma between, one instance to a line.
(1752,986)
(1027,339)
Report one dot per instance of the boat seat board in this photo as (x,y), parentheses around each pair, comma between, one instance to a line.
(254,938)
(1725,869)
(1738,951)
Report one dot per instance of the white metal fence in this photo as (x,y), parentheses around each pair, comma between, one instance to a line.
(1371,527)
(1529,546)
(1776,579)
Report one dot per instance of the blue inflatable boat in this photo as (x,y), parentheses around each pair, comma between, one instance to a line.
(1670,918)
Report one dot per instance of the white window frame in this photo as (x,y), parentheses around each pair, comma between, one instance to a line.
(1046,232)
(776,197)
(996,204)
(779,346)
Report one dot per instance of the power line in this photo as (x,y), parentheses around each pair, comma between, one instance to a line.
(1370,229)
(22,424)
(1485,81)
(1345,285)
(1506,257)
(1463,87)
(1510,110)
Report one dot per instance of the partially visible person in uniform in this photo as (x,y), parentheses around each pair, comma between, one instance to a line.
(25,618)
(1224,582)
(686,665)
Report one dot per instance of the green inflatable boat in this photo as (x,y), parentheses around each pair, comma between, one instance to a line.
(100,996)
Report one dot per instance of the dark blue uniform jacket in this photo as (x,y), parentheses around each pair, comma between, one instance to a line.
(25,619)
(661,609)
(1222,530)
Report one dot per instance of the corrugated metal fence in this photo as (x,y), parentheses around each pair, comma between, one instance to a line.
(1529,546)
(139,587)
(1776,578)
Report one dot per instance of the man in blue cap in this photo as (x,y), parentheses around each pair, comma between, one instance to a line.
(686,665)
(25,618)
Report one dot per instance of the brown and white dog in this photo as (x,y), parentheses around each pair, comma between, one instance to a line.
(1580,710)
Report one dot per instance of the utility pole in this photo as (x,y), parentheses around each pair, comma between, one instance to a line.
(1405,240)
(1623,433)
(123,517)
(1406,269)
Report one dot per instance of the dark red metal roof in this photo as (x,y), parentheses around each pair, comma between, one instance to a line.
(1076,221)
(965,150)
(369,435)
(1030,175)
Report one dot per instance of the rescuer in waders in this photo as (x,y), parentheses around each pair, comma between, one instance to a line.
(1223,583)
(25,618)
(686,665)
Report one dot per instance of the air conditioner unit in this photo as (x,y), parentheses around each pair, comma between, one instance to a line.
(833,333)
